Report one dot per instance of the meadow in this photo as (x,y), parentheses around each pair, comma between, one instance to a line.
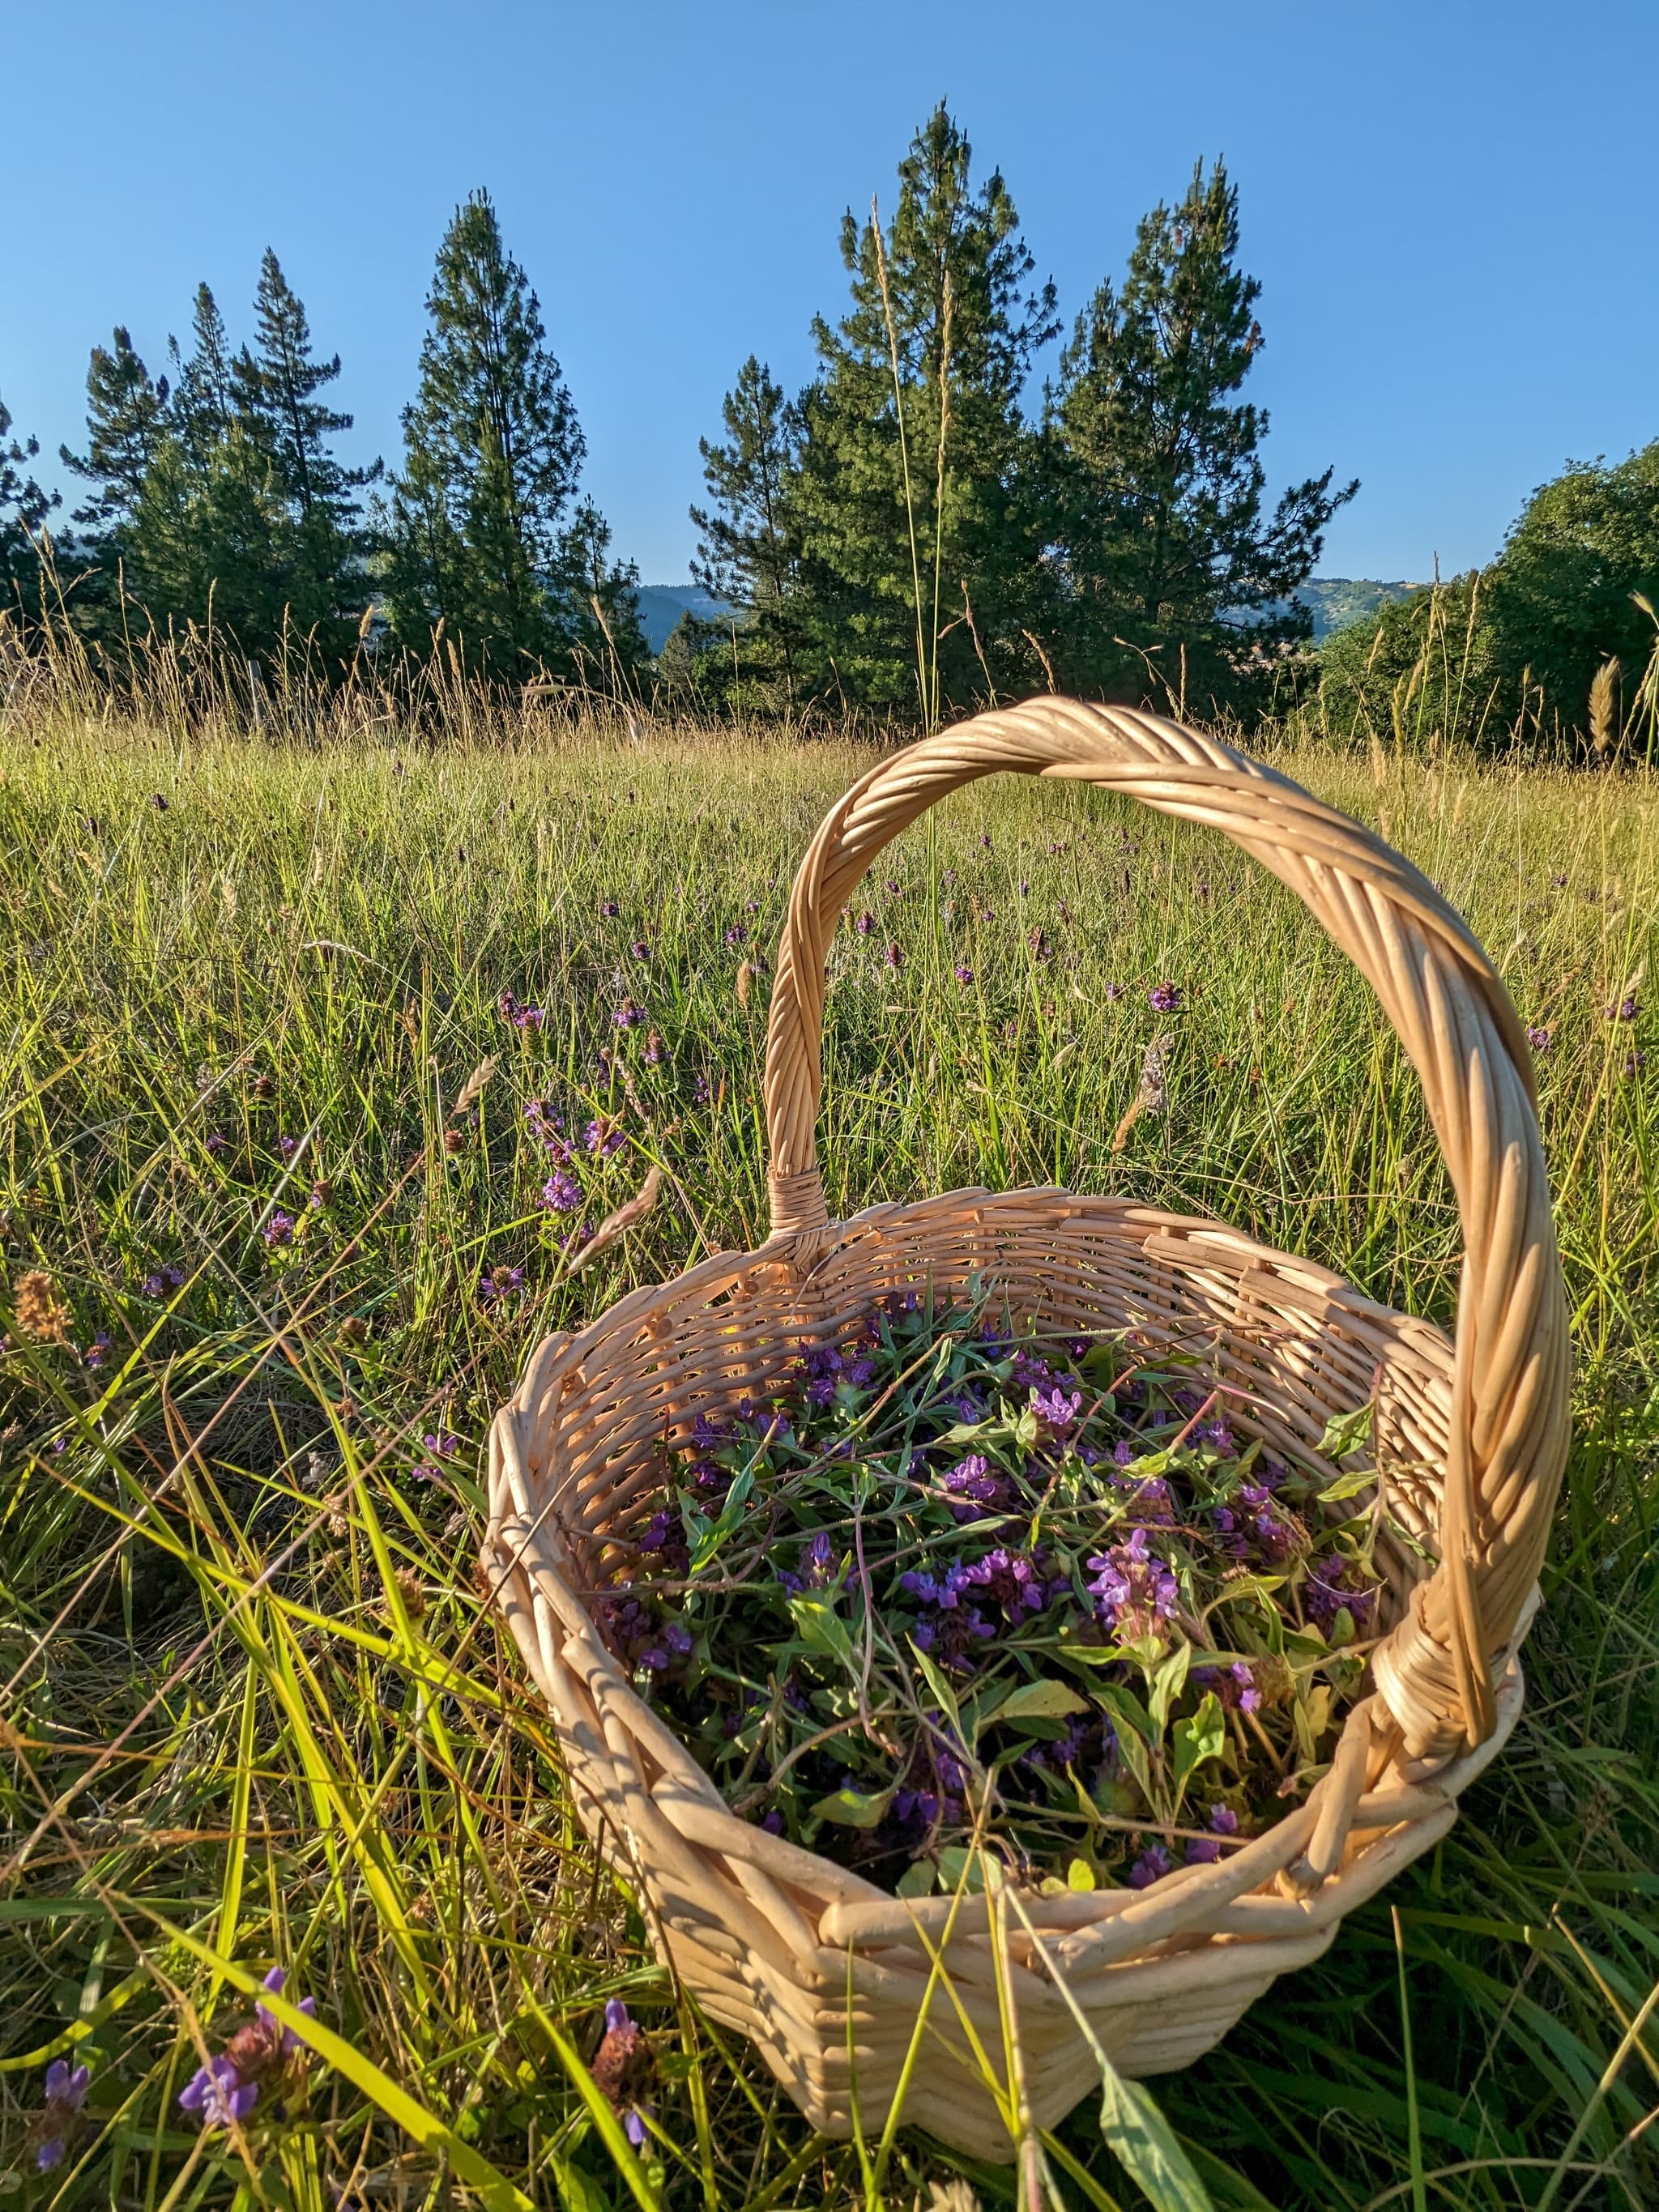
(277,1242)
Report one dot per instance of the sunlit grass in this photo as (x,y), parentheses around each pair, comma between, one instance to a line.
(257,1713)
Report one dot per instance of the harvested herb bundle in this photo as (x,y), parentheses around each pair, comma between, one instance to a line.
(953,1582)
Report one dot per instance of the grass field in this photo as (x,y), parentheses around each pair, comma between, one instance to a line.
(254,1711)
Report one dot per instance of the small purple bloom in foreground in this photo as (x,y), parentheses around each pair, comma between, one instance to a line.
(609,909)
(893,957)
(629,1015)
(98,1351)
(865,924)
(1541,1037)
(218,2094)
(216,1142)
(500,1283)
(279,1230)
(287,1147)
(964,975)
(639,949)
(1624,1011)
(624,2067)
(1164,998)
(66,2090)
(736,934)
(562,1193)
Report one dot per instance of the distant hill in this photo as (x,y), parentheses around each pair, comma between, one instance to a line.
(661,606)
(1336,601)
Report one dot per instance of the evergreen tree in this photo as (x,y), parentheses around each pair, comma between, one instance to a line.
(24,507)
(1165,543)
(214,541)
(275,385)
(493,451)
(919,512)
(599,602)
(205,398)
(748,552)
(126,415)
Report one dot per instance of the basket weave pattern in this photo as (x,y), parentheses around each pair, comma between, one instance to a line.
(829,1975)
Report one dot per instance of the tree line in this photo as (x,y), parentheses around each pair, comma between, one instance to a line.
(930,523)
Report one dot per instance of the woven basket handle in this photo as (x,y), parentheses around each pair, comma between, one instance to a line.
(1510,1410)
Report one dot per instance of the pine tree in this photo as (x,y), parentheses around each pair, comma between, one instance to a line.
(493,451)
(747,551)
(24,507)
(1164,539)
(918,514)
(599,602)
(126,415)
(213,541)
(205,398)
(274,386)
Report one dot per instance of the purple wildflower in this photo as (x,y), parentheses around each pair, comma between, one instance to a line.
(700,1090)
(964,975)
(1541,1037)
(1624,1011)
(639,949)
(609,909)
(971,1486)
(865,924)
(216,1142)
(1164,998)
(1205,1850)
(629,1015)
(1249,1697)
(1111,992)
(562,1193)
(157,1283)
(1057,1412)
(1151,1866)
(499,1283)
(66,2091)
(893,957)
(1010,1580)
(1134,1590)
(737,934)
(624,2067)
(279,1229)
(603,1137)
(287,1147)
(217,2094)
(529,1018)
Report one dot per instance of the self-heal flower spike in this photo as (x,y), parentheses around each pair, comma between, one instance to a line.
(1540,1037)
(624,2068)
(66,2091)
(218,2094)
(629,1015)
(278,1230)
(1164,998)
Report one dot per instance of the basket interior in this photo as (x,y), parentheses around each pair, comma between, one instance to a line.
(1292,1343)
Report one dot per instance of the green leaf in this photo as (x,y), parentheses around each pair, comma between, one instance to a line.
(1351,1484)
(851,1808)
(1141,2139)
(916,1880)
(1125,1705)
(821,1628)
(1040,1701)
(1202,1735)
(934,1678)
(707,1536)
(1167,1686)
(1345,1433)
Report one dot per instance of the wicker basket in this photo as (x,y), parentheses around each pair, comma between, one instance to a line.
(829,1975)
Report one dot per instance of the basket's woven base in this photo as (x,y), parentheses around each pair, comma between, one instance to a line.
(828,1975)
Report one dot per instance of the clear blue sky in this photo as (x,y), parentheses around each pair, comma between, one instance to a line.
(1448,206)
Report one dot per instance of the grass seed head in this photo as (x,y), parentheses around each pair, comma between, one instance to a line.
(38,1312)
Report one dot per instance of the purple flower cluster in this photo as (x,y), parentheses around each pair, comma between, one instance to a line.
(224,2091)
(520,1016)
(66,2092)
(1134,1591)
(1164,998)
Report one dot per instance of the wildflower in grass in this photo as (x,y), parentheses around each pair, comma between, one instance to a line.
(1111,992)
(216,1142)
(507,1006)
(218,2095)
(1634,1062)
(865,924)
(287,1147)
(500,1282)
(608,909)
(1559,882)
(985,839)
(964,975)
(562,1193)
(66,2092)
(630,1015)
(893,957)
(1153,1863)
(1164,998)
(893,888)
(817,1566)
(322,1196)
(603,1137)
(529,1018)
(1025,889)
(655,1050)
(575,1240)
(700,1091)
(737,934)
(1624,1011)
(37,1309)
(278,1230)
(259,2053)
(752,906)
(624,2067)
(161,1280)
(443,1443)
(1010,1580)
(1245,1693)
(1541,1037)
(98,1351)
(158,802)
(1056,1411)
(639,949)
